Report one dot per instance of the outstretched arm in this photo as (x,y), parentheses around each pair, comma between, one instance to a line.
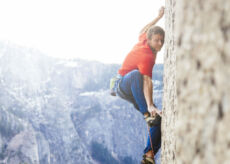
(160,15)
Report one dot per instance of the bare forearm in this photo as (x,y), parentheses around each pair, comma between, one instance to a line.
(148,90)
(145,29)
(148,93)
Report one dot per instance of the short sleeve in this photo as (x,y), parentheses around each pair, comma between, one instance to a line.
(142,37)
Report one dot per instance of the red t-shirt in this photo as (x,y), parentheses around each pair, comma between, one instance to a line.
(141,57)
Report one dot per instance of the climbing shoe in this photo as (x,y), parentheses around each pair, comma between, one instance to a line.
(147,160)
(153,120)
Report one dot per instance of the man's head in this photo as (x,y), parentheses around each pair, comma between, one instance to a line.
(155,38)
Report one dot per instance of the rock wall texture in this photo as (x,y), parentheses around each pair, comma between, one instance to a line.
(196,120)
(169,97)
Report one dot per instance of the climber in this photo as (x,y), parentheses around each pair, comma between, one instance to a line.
(134,82)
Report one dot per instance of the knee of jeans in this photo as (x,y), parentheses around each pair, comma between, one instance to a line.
(137,74)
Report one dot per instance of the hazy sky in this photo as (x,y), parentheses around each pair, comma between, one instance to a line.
(102,30)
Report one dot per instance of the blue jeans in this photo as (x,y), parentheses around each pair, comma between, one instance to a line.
(130,88)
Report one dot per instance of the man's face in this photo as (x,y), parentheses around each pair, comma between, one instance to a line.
(156,42)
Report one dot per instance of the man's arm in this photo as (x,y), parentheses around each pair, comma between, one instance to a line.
(160,15)
(148,92)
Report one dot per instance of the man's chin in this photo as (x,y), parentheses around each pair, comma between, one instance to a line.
(159,49)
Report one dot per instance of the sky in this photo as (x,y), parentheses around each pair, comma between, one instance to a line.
(101,30)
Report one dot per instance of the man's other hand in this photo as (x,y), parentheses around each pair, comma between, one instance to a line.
(161,12)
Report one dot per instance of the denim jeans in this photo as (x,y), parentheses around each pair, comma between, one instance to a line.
(130,88)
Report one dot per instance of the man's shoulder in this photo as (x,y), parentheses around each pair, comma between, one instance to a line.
(142,52)
(142,36)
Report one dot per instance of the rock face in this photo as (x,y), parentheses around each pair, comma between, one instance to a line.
(170,98)
(200,118)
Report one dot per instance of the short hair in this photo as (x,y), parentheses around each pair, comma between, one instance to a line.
(155,30)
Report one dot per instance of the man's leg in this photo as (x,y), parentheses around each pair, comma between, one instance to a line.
(155,133)
(132,86)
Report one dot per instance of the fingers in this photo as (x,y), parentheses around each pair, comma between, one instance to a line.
(153,110)
(161,9)
(153,113)
(156,111)
(161,12)
(159,112)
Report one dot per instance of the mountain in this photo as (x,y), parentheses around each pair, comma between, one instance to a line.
(56,111)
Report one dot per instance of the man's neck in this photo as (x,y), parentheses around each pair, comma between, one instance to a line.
(152,49)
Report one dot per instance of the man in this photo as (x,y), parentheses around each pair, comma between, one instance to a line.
(134,81)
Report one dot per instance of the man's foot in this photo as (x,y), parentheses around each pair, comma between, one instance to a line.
(152,120)
(147,160)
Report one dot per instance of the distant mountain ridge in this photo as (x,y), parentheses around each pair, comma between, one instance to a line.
(60,111)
